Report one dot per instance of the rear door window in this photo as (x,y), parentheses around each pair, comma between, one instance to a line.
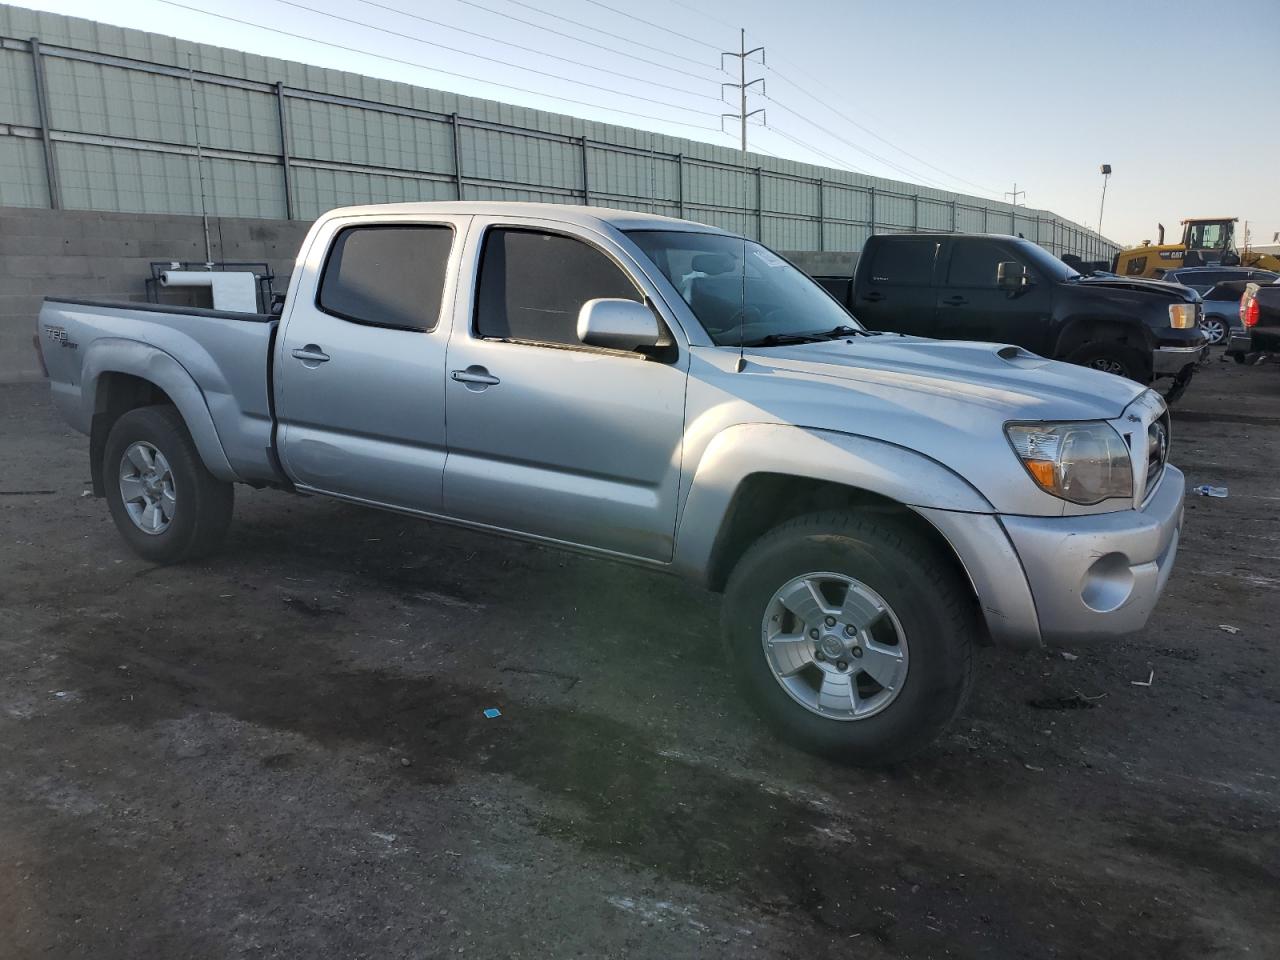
(532,285)
(903,262)
(387,276)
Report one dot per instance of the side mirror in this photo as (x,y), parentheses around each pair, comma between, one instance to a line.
(617,324)
(1011,276)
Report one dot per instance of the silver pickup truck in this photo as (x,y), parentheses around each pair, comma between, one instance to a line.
(667,394)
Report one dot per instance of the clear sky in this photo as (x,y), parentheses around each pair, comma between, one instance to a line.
(1179,97)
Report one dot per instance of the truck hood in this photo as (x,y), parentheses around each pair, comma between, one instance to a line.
(1161,288)
(1010,382)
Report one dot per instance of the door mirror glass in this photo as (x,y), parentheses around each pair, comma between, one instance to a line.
(617,324)
(1011,275)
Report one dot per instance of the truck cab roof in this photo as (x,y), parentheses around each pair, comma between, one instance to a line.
(577,214)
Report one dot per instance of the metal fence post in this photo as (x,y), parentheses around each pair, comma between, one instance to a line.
(954,221)
(915,211)
(282,114)
(680,184)
(872,192)
(822,215)
(586,181)
(457,155)
(760,204)
(42,106)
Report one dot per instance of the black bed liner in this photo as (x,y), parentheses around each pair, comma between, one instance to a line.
(146,307)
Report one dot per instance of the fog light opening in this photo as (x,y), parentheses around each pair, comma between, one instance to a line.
(1107,583)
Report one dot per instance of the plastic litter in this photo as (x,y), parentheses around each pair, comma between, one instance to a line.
(1065,655)
(1228,628)
(1145,683)
(492,713)
(1207,491)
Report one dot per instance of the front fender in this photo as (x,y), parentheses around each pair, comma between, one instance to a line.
(892,471)
(115,355)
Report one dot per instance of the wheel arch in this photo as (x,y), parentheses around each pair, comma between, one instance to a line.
(753,477)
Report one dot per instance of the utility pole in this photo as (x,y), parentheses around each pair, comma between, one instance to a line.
(741,86)
(1014,193)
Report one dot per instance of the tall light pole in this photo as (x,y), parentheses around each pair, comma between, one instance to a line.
(1106,175)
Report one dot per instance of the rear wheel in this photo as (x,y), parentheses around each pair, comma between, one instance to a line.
(1112,356)
(851,636)
(164,502)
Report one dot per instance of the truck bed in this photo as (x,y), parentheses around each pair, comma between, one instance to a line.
(224,365)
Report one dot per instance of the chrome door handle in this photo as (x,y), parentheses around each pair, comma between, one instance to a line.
(475,375)
(311,354)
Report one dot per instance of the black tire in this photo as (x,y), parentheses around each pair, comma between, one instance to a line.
(933,605)
(1240,357)
(1111,356)
(203,504)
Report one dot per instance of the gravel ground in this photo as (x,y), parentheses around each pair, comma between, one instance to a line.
(282,753)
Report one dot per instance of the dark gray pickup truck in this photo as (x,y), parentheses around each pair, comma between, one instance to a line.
(1009,290)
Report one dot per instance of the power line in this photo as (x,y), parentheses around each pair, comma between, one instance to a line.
(844,164)
(847,119)
(422,66)
(518,46)
(703,13)
(584,40)
(500,62)
(928,181)
(650,23)
(615,36)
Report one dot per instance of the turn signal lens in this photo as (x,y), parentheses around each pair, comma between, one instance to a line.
(1182,316)
(1082,462)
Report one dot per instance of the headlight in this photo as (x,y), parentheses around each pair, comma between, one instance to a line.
(1081,462)
(1182,316)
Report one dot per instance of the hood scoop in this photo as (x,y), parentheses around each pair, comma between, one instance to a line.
(1019,357)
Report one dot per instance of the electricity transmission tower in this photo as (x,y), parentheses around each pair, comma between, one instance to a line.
(1013,194)
(741,86)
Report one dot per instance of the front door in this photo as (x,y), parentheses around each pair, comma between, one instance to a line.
(972,307)
(547,436)
(360,363)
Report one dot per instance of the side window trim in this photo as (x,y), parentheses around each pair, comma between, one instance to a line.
(473,326)
(331,245)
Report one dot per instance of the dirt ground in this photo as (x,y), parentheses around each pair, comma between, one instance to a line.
(282,752)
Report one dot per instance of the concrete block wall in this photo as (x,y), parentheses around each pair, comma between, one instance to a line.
(79,253)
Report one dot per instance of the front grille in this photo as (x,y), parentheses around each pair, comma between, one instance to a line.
(1157,449)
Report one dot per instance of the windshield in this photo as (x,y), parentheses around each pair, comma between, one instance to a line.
(774,302)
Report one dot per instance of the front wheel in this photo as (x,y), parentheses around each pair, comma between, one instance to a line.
(1214,330)
(851,635)
(164,502)
(1113,357)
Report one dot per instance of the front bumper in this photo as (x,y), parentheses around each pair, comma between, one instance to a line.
(1170,361)
(1065,578)
(1100,575)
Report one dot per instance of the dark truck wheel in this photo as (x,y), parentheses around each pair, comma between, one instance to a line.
(164,502)
(851,636)
(1113,357)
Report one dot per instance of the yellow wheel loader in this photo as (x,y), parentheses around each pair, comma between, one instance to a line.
(1206,241)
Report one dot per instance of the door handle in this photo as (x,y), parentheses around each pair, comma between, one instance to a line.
(311,354)
(955,301)
(475,377)
(873,297)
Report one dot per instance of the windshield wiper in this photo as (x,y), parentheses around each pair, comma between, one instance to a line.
(782,339)
(844,330)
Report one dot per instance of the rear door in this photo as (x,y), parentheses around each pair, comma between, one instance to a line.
(548,436)
(894,288)
(972,307)
(360,361)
